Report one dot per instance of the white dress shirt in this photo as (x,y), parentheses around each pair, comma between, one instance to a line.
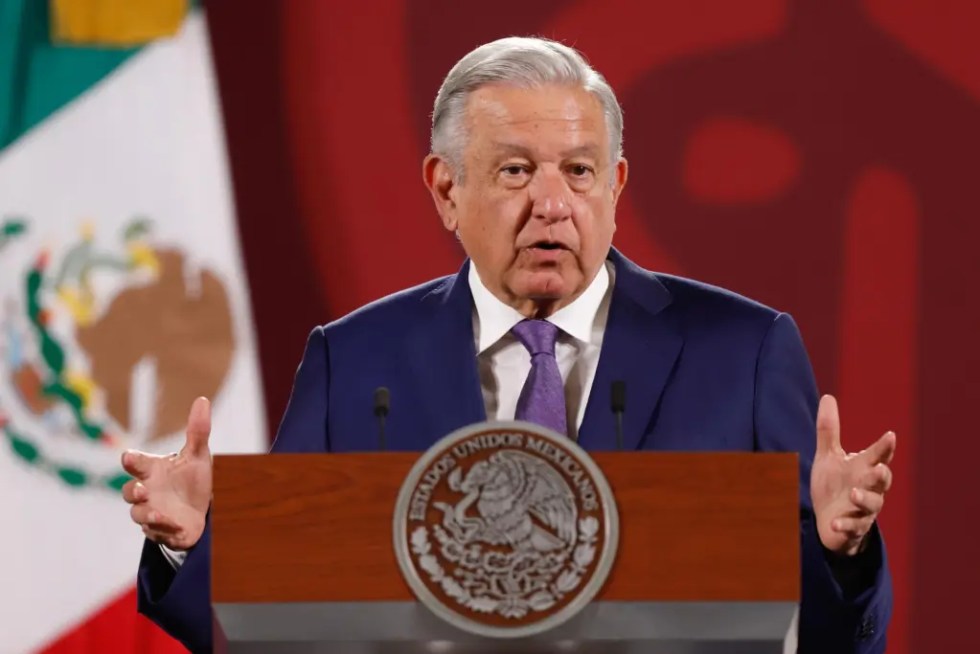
(504,363)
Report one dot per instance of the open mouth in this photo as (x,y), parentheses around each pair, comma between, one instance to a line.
(543,245)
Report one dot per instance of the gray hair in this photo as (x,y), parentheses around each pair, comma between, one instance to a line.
(523,62)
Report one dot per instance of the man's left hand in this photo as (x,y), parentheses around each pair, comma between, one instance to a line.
(848,490)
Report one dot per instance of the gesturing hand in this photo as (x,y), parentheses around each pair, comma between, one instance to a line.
(848,490)
(171,493)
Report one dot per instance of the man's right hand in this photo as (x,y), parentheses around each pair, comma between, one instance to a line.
(170,494)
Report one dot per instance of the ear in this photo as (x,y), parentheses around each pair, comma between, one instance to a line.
(438,177)
(619,181)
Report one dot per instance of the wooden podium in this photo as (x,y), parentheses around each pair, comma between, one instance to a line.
(708,558)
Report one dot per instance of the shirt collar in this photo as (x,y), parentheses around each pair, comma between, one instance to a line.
(494,319)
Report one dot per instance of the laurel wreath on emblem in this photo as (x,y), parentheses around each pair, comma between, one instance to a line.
(59,387)
(507,584)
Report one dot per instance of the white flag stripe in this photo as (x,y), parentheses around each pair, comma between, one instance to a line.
(146,141)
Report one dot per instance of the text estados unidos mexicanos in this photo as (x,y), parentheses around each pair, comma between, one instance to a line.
(578,477)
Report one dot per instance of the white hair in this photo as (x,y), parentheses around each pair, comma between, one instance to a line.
(523,62)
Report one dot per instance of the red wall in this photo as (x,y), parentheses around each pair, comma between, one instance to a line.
(821,156)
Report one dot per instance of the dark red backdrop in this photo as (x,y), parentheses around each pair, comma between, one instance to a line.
(822,156)
(819,155)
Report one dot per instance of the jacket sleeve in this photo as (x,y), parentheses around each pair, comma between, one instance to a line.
(180,600)
(833,618)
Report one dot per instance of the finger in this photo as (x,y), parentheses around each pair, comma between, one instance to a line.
(134,492)
(140,513)
(164,536)
(155,536)
(867,502)
(157,520)
(172,537)
(882,451)
(878,479)
(828,426)
(853,527)
(198,428)
(144,514)
(138,464)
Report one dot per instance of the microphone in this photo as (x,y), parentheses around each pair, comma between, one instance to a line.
(618,402)
(382,403)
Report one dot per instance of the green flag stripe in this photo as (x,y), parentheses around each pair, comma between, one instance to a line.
(37,77)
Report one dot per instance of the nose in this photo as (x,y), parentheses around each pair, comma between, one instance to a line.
(550,198)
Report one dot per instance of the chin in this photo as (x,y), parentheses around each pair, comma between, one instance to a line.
(544,285)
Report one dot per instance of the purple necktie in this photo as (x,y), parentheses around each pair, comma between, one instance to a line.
(542,399)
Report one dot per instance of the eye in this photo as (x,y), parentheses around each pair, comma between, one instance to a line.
(579,170)
(514,175)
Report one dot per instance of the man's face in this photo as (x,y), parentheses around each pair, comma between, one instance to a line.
(536,209)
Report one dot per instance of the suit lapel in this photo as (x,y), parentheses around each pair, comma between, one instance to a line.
(445,371)
(640,347)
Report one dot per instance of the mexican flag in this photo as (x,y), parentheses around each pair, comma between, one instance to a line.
(122,298)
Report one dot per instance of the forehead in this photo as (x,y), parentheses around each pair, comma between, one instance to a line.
(542,117)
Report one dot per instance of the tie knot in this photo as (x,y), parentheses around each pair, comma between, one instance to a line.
(538,336)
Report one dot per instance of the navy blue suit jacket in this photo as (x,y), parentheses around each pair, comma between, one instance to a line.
(705,369)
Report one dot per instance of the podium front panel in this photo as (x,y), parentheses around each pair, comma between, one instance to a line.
(708,558)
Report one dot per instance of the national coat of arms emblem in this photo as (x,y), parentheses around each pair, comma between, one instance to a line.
(505,529)
(102,347)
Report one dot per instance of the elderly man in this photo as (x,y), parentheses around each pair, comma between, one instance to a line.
(526,168)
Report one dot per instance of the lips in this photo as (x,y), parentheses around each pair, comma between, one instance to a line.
(545,253)
(547,245)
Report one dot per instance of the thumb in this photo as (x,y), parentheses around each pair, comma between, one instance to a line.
(198,428)
(828,426)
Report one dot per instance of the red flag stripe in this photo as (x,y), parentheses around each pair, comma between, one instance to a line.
(116,627)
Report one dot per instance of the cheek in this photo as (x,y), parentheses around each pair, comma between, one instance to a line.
(596,223)
(501,215)
(491,223)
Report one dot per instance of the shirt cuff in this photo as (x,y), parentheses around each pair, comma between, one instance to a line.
(175,558)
